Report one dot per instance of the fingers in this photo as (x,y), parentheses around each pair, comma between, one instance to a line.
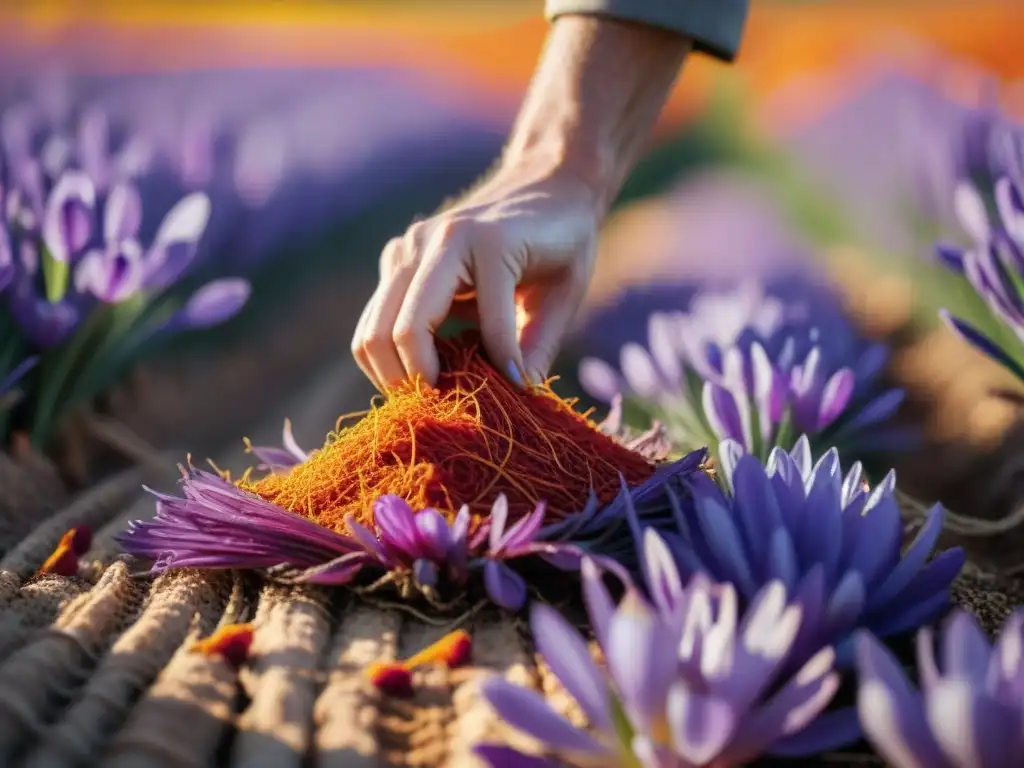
(439,277)
(495,282)
(422,275)
(372,344)
(550,311)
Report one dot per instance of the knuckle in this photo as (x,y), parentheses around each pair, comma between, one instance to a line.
(450,229)
(405,333)
(391,255)
(374,342)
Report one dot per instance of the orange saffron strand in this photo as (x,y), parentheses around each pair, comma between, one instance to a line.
(472,437)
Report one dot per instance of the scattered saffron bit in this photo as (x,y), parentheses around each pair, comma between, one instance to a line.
(472,437)
(452,650)
(231,643)
(391,678)
(73,545)
(394,678)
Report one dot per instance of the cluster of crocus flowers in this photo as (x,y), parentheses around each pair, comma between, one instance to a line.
(87,290)
(758,367)
(694,681)
(993,265)
(828,538)
(314,519)
(969,710)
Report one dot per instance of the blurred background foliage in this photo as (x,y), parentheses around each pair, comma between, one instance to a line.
(320,129)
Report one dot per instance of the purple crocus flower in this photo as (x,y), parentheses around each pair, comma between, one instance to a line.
(275,459)
(418,548)
(994,267)
(698,685)
(970,707)
(823,535)
(758,367)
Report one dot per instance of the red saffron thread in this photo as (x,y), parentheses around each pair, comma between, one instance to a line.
(394,678)
(472,437)
(231,643)
(73,545)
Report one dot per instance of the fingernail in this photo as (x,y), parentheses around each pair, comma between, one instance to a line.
(514,375)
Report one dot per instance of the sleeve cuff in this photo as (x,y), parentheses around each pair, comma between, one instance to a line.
(715,26)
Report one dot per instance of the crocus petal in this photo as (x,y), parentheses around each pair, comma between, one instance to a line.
(640,648)
(433,534)
(965,649)
(42,322)
(396,524)
(290,444)
(951,256)
(639,370)
(662,575)
(891,713)
(499,518)
(1010,204)
(525,531)
(970,210)
(722,409)
(971,728)
(424,573)
(67,224)
(7,267)
(367,540)
(835,397)
(338,571)
(599,379)
(123,214)
(983,343)
(111,275)
(600,607)
(213,304)
(701,725)
(94,146)
(174,245)
(505,757)
(526,711)
(505,587)
(566,653)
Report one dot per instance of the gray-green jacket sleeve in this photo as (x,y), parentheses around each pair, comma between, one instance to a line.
(715,26)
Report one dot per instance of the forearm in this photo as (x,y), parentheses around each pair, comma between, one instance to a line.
(594,99)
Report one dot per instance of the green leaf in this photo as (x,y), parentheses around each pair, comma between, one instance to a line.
(55,277)
(785,436)
(624,733)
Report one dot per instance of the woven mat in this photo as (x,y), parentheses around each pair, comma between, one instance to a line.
(96,669)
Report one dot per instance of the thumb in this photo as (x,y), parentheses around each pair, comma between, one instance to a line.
(495,285)
(549,313)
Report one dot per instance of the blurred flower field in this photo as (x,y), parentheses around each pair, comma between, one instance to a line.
(768,513)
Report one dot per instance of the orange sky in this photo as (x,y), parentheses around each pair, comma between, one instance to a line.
(493,46)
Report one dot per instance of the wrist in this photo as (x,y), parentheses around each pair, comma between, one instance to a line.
(594,99)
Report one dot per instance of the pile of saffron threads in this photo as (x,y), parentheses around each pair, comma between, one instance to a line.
(473,436)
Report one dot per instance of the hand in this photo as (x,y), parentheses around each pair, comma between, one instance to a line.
(516,255)
(521,245)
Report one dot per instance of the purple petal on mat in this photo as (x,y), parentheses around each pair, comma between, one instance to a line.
(505,587)
(527,711)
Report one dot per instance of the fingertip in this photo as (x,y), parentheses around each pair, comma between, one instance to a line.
(514,374)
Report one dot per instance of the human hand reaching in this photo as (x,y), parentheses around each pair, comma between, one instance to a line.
(515,256)
(517,252)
